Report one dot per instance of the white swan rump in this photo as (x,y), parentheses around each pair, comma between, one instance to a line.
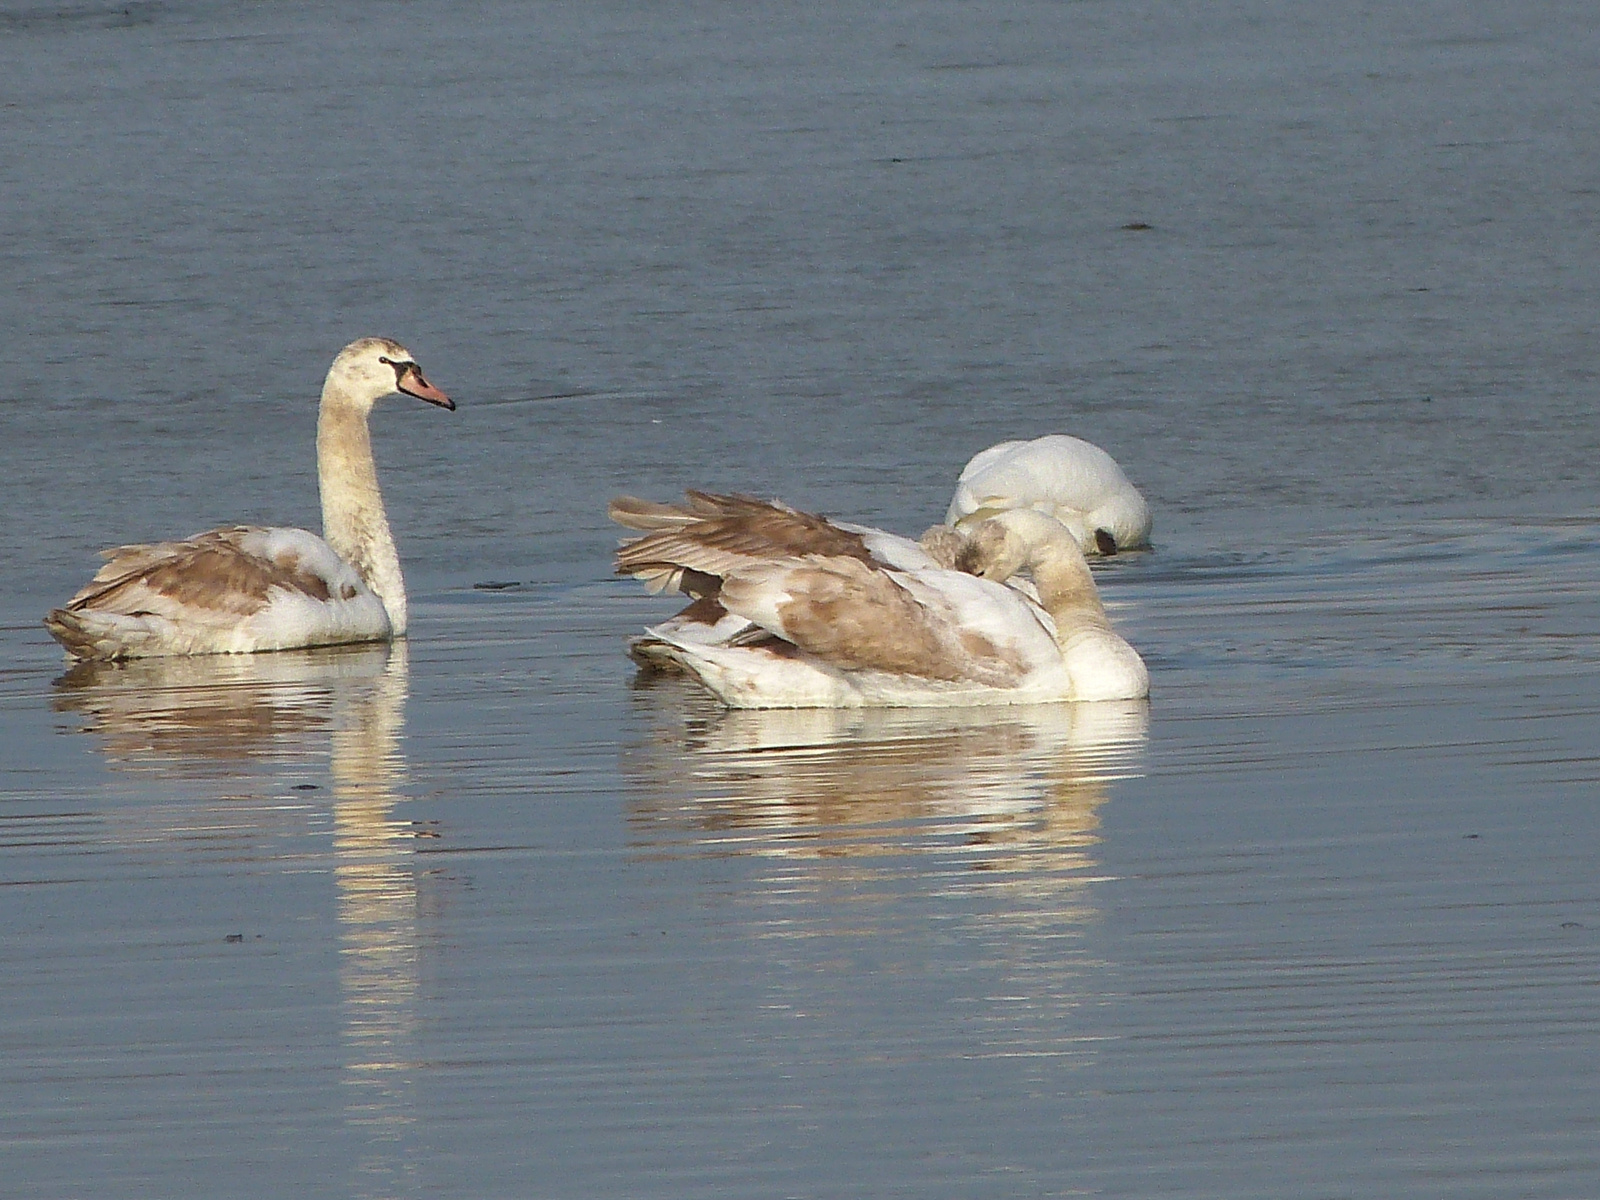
(794,611)
(1065,477)
(244,589)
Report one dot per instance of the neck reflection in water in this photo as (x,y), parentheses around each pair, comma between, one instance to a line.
(244,722)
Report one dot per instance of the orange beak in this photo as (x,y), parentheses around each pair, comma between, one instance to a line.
(413,384)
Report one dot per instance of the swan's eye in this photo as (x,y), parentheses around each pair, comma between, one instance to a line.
(400,367)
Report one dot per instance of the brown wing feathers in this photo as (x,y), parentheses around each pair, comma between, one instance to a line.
(860,617)
(209,571)
(832,598)
(717,534)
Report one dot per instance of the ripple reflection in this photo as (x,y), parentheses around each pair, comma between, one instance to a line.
(220,719)
(996,786)
(898,859)
(204,717)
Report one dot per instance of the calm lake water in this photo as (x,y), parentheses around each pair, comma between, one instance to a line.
(481,915)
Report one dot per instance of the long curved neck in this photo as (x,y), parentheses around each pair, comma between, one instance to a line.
(1066,588)
(353,520)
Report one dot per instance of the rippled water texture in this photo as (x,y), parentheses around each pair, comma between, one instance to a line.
(481,914)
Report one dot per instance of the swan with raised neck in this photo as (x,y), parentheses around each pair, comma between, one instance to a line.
(242,589)
(354,522)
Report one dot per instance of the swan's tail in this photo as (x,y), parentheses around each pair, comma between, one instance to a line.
(92,634)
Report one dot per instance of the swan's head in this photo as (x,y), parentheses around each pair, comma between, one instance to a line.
(1019,539)
(1086,532)
(993,552)
(369,369)
(984,548)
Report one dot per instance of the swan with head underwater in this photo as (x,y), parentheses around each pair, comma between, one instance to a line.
(242,589)
(1064,477)
(792,610)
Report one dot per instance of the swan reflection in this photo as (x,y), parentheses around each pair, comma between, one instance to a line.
(206,716)
(998,784)
(225,719)
(874,840)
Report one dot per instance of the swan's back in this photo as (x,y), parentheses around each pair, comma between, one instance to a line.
(1064,477)
(233,590)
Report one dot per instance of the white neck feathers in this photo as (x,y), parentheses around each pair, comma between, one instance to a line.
(1048,550)
(353,520)
(1066,587)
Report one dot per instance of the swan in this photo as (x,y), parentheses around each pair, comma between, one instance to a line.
(243,589)
(767,529)
(795,611)
(1065,477)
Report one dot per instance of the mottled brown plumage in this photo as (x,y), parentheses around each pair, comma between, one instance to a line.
(793,611)
(716,534)
(209,571)
(841,604)
(215,579)
(859,617)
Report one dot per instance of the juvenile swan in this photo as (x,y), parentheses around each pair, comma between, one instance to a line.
(794,611)
(247,588)
(1064,477)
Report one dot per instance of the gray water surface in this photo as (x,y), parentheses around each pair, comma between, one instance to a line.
(480,914)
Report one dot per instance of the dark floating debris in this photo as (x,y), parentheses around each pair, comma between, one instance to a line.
(235,937)
(1138,226)
(496,585)
(304,787)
